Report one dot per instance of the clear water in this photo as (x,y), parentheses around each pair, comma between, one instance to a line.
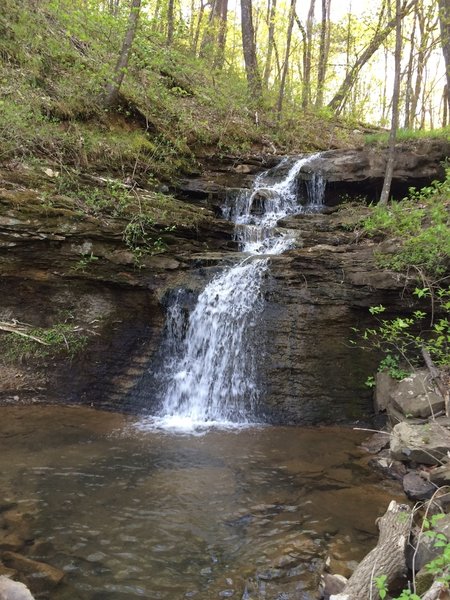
(130,514)
(210,375)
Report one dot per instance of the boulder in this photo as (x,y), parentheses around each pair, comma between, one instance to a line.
(427,444)
(415,396)
(13,590)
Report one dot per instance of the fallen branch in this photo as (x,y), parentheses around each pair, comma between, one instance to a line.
(11,328)
(387,558)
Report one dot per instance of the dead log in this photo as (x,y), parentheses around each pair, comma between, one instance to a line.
(438,591)
(387,558)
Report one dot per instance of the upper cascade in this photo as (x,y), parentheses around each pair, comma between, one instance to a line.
(256,212)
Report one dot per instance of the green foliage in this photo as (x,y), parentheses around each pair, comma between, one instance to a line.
(402,339)
(63,339)
(142,238)
(421,224)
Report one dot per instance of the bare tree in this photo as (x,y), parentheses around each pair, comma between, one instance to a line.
(395,106)
(339,98)
(113,87)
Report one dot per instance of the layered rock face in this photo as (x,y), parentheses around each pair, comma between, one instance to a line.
(314,295)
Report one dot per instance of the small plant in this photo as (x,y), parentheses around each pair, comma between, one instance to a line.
(142,239)
(85,261)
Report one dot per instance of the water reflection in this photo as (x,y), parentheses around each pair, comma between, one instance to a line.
(129,513)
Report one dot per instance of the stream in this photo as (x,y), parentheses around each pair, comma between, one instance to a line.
(128,513)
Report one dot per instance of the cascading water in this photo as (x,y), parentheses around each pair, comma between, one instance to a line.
(212,378)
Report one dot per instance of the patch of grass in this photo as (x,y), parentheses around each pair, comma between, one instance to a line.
(63,339)
(405,135)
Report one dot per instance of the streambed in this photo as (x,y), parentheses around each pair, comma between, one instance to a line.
(129,513)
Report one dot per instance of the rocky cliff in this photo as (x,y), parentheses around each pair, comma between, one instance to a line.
(58,265)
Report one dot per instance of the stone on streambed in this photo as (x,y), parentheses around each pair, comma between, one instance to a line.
(13,590)
(416,487)
(427,444)
(40,576)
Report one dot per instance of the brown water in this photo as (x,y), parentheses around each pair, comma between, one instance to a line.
(131,514)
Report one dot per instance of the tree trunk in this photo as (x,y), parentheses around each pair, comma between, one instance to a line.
(270,42)
(222,34)
(112,89)
(198,27)
(444,18)
(338,100)
(286,60)
(409,74)
(306,89)
(323,51)
(395,107)
(249,48)
(170,21)
(387,558)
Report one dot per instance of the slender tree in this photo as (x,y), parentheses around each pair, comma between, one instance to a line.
(444,18)
(395,106)
(113,87)
(286,58)
(249,48)
(271,15)
(306,88)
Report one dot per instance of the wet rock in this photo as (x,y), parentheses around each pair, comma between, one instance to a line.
(416,487)
(427,443)
(13,590)
(40,576)
(376,442)
(415,396)
(332,584)
(384,463)
(226,593)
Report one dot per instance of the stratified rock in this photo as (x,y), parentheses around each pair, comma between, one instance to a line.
(417,488)
(415,396)
(13,590)
(427,444)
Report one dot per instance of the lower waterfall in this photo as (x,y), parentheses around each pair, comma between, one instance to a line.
(210,375)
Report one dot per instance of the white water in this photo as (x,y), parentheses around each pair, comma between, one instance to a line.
(211,373)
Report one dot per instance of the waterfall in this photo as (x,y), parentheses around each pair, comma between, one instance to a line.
(210,376)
